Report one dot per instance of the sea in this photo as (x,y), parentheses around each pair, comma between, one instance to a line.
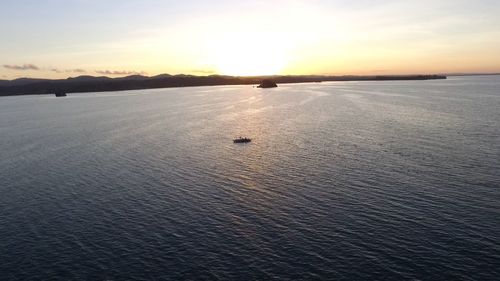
(383,180)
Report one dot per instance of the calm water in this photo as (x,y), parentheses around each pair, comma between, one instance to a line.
(344,181)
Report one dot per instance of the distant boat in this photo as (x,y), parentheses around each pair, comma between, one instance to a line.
(242,140)
(60,94)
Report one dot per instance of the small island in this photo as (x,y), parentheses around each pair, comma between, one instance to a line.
(267,84)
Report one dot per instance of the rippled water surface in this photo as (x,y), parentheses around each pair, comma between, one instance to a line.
(345,181)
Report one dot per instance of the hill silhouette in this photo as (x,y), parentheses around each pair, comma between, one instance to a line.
(81,84)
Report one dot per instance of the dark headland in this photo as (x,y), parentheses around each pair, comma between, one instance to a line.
(82,84)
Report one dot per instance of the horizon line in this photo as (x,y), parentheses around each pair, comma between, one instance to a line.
(257,76)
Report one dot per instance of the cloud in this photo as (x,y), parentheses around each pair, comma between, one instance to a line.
(77,70)
(204,71)
(21,67)
(119,72)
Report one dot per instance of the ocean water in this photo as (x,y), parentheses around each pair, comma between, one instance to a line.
(342,181)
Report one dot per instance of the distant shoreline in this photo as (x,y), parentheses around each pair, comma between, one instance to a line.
(91,84)
(473,74)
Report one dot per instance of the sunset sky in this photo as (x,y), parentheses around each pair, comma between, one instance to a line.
(62,38)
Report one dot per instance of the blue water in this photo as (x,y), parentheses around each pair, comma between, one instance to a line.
(342,181)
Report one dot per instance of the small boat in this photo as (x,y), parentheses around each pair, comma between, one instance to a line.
(242,140)
(60,94)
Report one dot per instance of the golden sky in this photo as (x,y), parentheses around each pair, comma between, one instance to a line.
(62,38)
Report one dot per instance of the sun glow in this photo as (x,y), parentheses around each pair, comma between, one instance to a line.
(249,56)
